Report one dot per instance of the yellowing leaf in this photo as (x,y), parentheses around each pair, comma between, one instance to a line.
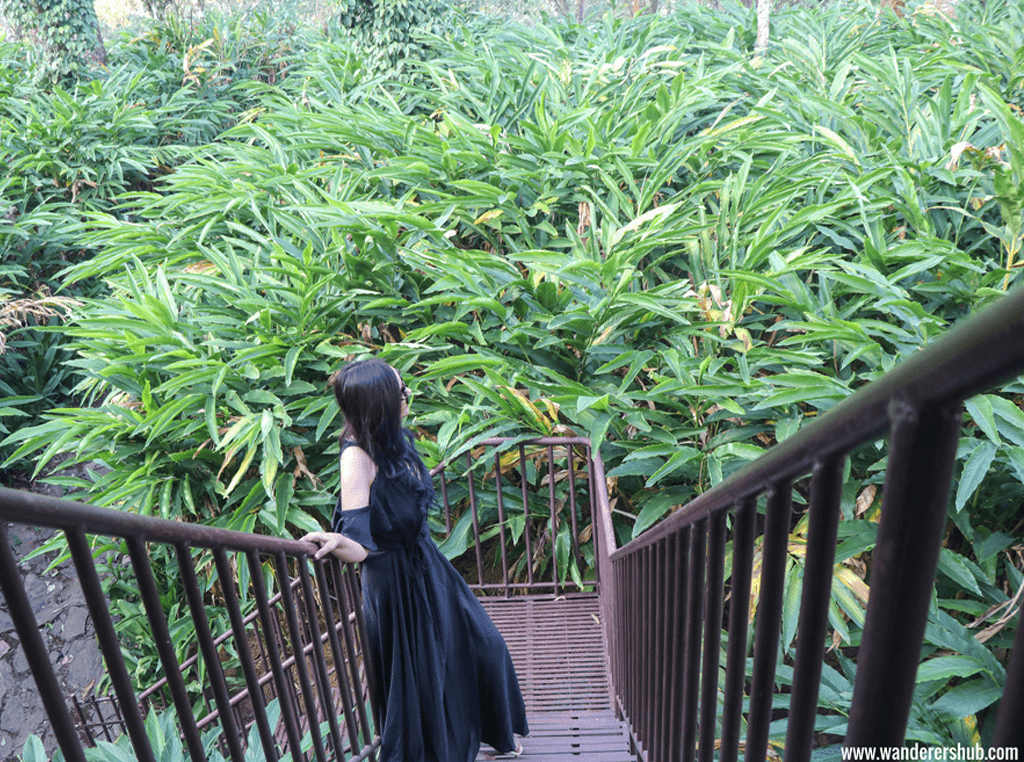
(488,216)
(852,582)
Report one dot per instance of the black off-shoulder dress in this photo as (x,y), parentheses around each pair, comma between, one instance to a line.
(446,678)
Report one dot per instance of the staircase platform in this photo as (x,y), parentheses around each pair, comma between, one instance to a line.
(558,648)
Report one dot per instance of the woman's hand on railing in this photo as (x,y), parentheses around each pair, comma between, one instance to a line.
(341,547)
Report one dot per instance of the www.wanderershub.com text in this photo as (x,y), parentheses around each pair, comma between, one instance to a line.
(958,753)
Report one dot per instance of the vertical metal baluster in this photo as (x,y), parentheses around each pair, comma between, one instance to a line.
(501,523)
(922,451)
(447,505)
(104,724)
(661,643)
(332,619)
(572,512)
(165,647)
(611,619)
(592,491)
(291,672)
(277,668)
(262,638)
(628,653)
(712,636)
(92,589)
(117,711)
(361,651)
(636,713)
(526,515)
(319,657)
(364,639)
(305,684)
(27,627)
(769,617)
(631,638)
(646,646)
(476,520)
(678,686)
(227,585)
(662,741)
(622,620)
(670,732)
(736,658)
(347,601)
(694,619)
(554,519)
(823,524)
(1009,729)
(650,644)
(209,650)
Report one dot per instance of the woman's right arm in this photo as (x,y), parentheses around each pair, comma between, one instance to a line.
(357,473)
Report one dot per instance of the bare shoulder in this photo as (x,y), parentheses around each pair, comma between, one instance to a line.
(355,457)
(357,473)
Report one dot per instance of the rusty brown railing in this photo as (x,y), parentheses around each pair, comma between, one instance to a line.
(278,601)
(537,492)
(662,594)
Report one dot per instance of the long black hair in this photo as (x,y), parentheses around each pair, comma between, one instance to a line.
(370,397)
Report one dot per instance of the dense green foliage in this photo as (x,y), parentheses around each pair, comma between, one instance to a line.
(64,35)
(73,152)
(633,230)
(390,33)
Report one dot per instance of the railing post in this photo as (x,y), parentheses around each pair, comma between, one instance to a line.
(769,616)
(823,525)
(165,646)
(736,658)
(281,679)
(922,452)
(92,589)
(291,613)
(676,698)
(35,651)
(712,636)
(1009,728)
(692,649)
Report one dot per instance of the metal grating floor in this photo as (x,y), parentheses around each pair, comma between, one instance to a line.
(558,649)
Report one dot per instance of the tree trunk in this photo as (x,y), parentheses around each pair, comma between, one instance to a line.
(763,14)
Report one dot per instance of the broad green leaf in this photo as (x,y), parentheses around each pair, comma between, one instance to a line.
(945,667)
(954,567)
(991,545)
(974,472)
(1011,419)
(679,458)
(980,408)
(967,698)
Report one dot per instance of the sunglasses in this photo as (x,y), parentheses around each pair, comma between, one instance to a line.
(406,392)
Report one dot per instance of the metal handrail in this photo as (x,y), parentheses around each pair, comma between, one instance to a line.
(968,360)
(560,498)
(307,598)
(661,595)
(663,591)
(554,460)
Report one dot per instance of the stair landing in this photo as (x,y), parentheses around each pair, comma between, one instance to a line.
(558,648)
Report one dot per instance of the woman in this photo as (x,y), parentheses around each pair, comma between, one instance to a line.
(446,678)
